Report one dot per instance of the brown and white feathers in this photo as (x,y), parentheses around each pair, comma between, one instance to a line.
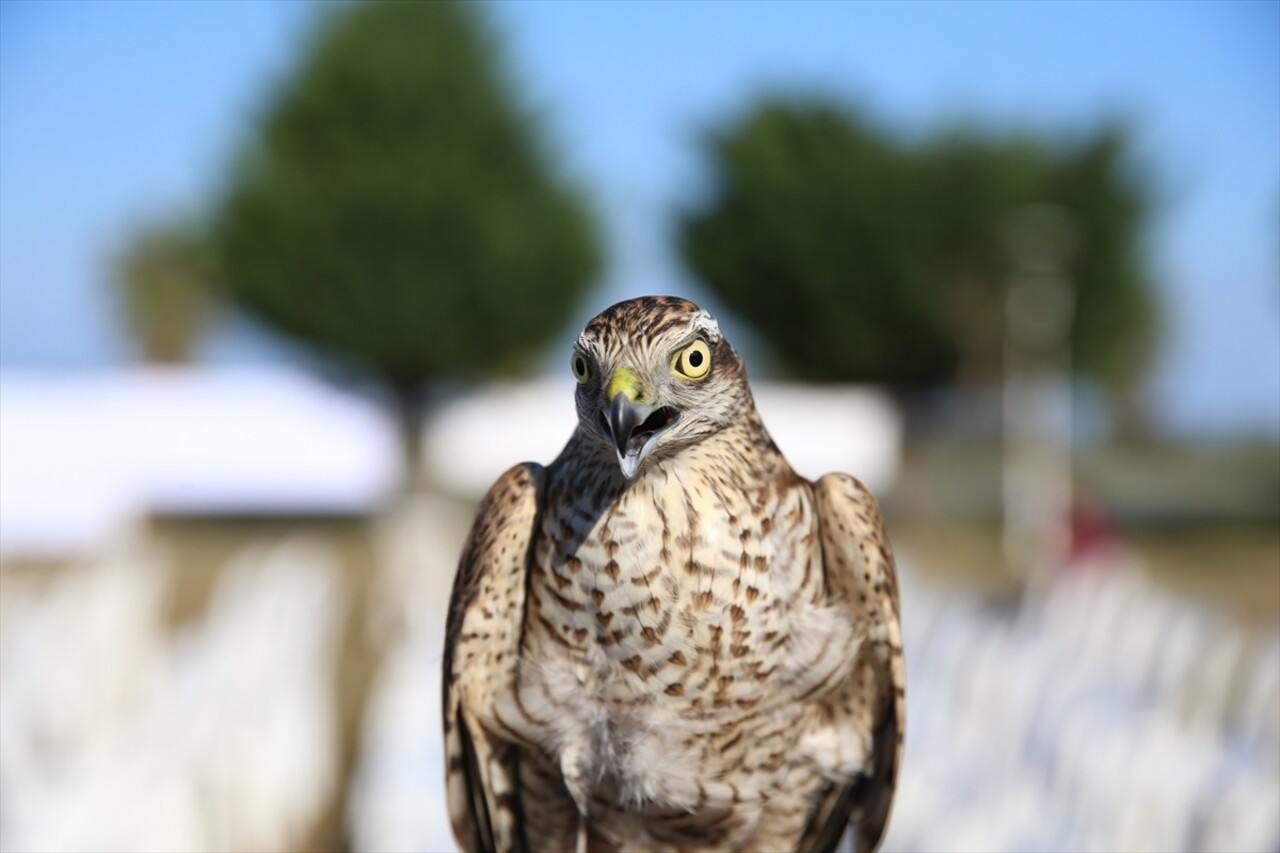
(666,639)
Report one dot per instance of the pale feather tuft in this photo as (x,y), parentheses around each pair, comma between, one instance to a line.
(706,324)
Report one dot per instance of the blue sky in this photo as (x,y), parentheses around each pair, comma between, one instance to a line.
(111,113)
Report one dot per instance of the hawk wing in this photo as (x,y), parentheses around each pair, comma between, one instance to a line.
(482,645)
(860,572)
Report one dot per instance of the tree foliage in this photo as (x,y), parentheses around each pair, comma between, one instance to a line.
(165,290)
(864,257)
(397,206)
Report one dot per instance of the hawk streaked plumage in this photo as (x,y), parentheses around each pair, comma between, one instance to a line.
(667,639)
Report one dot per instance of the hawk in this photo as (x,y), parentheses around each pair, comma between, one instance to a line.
(667,639)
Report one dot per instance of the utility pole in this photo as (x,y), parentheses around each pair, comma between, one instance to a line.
(1039,308)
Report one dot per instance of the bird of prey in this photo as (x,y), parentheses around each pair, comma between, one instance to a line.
(667,639)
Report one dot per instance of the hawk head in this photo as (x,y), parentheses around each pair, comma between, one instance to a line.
(654,376)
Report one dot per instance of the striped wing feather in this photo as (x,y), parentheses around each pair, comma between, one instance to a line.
(860,571)
(482,643)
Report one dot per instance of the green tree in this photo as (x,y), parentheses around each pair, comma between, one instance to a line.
(1117,323)
(813,234)
(398,209)
(165,290)
(865,257)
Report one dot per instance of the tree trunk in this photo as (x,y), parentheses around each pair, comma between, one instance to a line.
(978,315)
(410,417)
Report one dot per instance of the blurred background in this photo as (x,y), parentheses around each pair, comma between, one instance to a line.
(284,287)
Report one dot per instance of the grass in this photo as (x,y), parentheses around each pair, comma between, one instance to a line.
(1204,520)
(1235,567)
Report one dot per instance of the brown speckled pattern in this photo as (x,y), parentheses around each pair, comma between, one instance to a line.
(706,657)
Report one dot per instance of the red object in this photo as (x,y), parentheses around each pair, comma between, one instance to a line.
(1090,532)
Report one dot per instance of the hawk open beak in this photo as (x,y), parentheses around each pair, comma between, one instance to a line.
(634,429)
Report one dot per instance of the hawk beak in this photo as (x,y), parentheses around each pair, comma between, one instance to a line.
(634,429)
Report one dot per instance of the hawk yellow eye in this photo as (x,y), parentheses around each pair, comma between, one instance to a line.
(581,370)
(693,361)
